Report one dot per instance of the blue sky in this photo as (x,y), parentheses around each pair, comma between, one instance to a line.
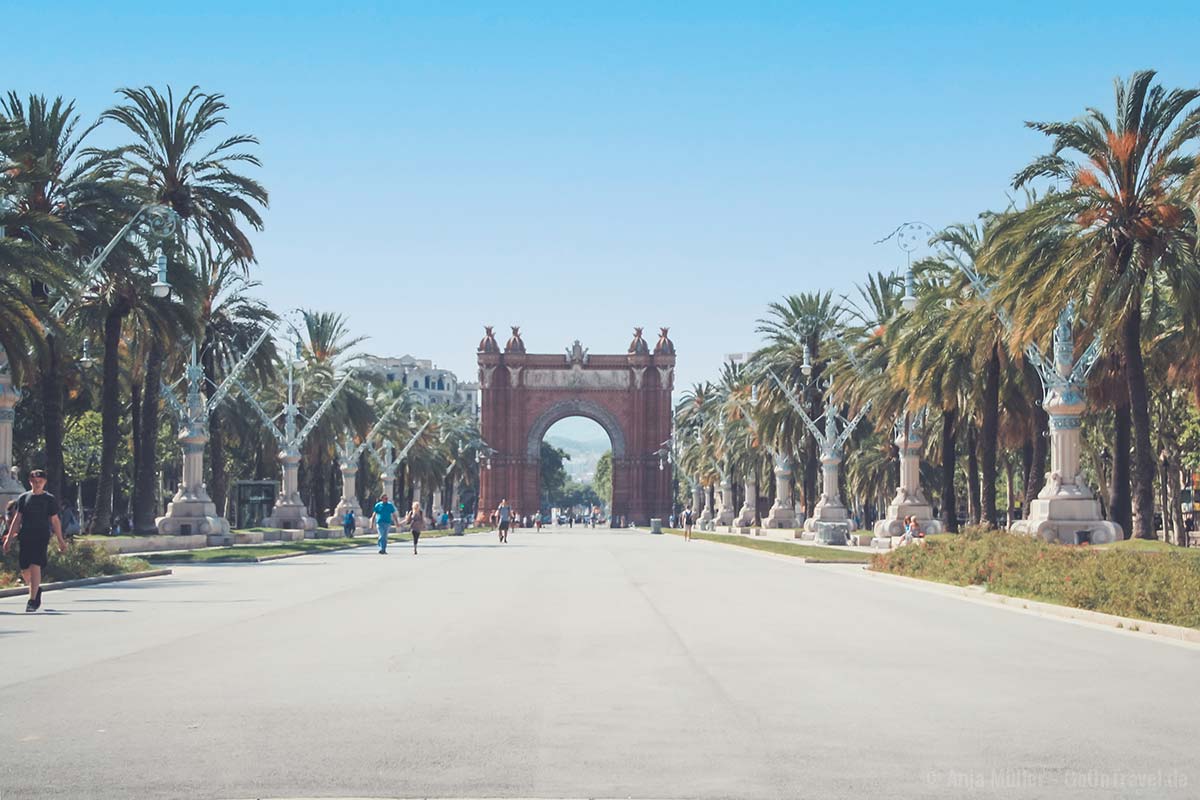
(579,169)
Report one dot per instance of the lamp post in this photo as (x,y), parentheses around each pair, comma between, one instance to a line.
(830,522)
(289,515)
(191,510)
(348,455)
(389,461)
(1065,510)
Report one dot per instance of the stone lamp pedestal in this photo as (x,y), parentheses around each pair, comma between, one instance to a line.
(725,509)
(191,510)
(830,522)
(290,515)
(783,513)
(349,501)
(1066,510)
(10,488)
(745,517)
(909,499)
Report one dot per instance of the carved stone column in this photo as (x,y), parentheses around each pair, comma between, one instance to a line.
(909,499)
(191,510)
(783,513)
(349,501)
(289,513)
(1065,508)
(10,489)
(725,510)
(706,516)
(830,522)
(745,518)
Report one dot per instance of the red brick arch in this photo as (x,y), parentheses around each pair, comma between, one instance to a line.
(629,395)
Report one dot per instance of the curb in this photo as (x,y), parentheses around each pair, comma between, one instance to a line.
(1039,608)
(50,587)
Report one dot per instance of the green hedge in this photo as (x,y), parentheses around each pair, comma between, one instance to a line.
(1157,586)
(82,560)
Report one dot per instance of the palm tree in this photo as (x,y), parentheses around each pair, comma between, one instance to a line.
(799,325)
(176,162)
(67,206)
(1121,219)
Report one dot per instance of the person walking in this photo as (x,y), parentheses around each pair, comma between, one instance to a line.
(348,523)
(35,517)
(416,520)
(503,520)
(383,513)
(688,520)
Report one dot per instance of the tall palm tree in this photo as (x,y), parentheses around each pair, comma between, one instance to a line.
(1120,219)
(69,205)
(177,160)
(799,324)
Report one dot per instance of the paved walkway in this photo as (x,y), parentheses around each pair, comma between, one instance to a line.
(576,664)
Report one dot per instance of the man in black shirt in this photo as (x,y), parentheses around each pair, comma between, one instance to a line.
(36,518)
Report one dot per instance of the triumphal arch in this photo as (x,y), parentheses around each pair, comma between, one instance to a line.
(522,394)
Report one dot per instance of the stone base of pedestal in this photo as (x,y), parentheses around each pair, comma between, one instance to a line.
(837,533)
(893,523)
(827,515)
(745,518)
(290,516)
(248,537)
(1069,519)
(187,517)
(780,517)
(804,534)
(724,517)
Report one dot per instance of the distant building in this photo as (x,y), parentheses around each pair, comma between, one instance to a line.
(429,384)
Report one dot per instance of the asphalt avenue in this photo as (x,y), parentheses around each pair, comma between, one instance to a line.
(577,663)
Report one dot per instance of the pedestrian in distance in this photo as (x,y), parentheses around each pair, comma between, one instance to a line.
(503,520)
(383,513)
(416,522)
(35,517)
(348,523)
(688,520)
(537,522)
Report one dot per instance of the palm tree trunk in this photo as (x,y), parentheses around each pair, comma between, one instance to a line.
(949,460)
(52,419)
(989,436)
(1120,509)
(973,509)
(1036,468)
(135,429)
(110,417)
(1142,471)
(146,474)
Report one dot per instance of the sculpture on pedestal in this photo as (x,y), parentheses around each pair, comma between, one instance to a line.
(191,510)
(290,513)
(348,455)
(10,488)
(830,522)
(1066,510)
(910,499)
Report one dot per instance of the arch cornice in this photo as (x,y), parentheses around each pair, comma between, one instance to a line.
(576,407)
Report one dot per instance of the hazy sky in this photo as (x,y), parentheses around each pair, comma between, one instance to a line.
(582,169)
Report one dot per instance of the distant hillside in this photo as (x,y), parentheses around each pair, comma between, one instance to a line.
(584,455)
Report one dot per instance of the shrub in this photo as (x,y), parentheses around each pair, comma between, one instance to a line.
(1158,586)
(82,560)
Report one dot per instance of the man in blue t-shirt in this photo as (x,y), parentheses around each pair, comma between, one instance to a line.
(383,513)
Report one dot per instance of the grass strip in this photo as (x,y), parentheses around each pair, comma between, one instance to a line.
(1143,581)
(782,548)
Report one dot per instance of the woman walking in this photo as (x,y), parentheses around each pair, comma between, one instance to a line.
(417,520)
(687,524)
